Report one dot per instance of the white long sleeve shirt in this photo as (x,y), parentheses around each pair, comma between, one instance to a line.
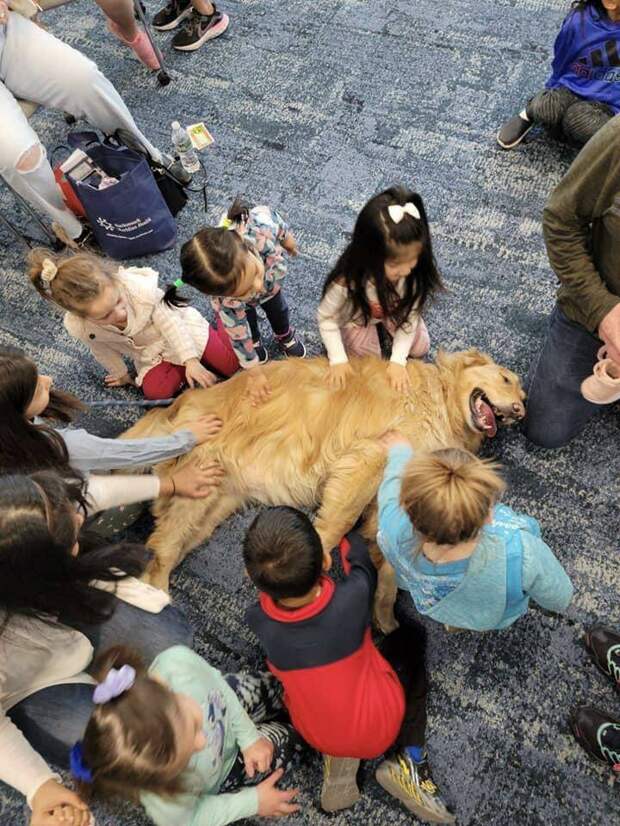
(336,311)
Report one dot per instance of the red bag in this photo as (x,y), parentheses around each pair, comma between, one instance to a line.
(69,197)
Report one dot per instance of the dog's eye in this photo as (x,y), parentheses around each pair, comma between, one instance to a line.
(506,379)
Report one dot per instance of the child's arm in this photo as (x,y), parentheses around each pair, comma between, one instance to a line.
(356,558)
(203,810)
(171,328)
(394,524)
(330,316)
(107,357)
(544,579)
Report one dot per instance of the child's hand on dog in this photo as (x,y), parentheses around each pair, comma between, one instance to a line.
(398,377)
(338,375)
(258,386)
(392,439)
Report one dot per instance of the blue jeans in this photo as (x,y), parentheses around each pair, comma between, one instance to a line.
(556,410)
(54,718)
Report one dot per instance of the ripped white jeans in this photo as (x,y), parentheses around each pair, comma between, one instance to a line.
(36,66)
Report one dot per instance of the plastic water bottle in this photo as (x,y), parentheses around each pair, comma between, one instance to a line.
(185,149)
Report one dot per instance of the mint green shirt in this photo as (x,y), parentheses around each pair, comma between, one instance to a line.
(227,728)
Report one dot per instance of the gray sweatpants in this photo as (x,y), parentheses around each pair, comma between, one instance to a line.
(564,112)
(36,66)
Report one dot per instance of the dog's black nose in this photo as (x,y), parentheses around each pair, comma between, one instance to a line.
(519,409)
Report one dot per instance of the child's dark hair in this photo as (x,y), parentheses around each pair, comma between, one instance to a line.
(582,5)
(283,553)
(212,259)
(130,740)
(377,237)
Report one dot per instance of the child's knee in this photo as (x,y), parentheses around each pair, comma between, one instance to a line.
(581,121)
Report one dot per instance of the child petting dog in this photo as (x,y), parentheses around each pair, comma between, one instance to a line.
(348,699)
(467,561)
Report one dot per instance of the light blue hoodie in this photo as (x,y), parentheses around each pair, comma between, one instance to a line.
(479,601)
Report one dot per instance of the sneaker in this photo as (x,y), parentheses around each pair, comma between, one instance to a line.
(598,733)
(141,46)
(412,784)
(603,386)
(198,29)
(513,131)
(261,352)
(339,790)
(172,15)
(604,647)
(291,345)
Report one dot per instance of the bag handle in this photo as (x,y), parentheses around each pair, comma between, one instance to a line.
(80,140)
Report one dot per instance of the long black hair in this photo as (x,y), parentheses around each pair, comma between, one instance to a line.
(39,576)
(376,237)
(582,5)
(25,446)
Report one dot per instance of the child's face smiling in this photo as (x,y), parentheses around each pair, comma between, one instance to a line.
(404,260)
(252,278)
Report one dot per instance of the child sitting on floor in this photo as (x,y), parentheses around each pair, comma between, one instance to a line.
(345,698)
(118,311)
(583,92)
(183,740)
(241,265)
(466,561)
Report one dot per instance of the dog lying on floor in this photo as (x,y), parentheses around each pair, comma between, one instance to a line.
(309,446)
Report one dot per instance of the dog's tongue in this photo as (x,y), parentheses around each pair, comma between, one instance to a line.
(486,417)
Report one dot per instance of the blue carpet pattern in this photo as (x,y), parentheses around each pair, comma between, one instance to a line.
(314,107)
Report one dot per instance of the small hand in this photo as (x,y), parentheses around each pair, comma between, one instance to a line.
(609,332)
(393,438)
(205,427)
(4,12)
(259,389)
(113,381)
(398,377)
(271,801)
(49,801)
(338,375)
(290,244)
(258,756)
(195,374)
(193,481)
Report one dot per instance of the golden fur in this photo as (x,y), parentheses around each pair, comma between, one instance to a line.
(308,446)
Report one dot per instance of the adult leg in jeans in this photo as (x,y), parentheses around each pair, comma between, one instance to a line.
(556,410)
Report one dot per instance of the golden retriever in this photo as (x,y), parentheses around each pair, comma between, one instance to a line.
(309,446)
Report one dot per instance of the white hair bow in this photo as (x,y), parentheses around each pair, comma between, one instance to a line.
(49,270)
(397,212)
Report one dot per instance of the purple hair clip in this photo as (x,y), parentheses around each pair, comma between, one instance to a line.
(79,769)
(117,682)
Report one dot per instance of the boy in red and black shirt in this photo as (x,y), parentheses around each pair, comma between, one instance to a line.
(347,700)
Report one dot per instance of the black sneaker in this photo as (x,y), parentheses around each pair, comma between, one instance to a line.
(172,15)
(412,784)
(604,647)
(291,345)
(513,131)
(261,352)
(199,28)
(598,733)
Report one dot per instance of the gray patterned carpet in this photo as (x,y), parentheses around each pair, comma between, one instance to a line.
(314,107)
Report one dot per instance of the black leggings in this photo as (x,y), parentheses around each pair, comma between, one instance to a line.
(564,112)
(276,310)
(405,650)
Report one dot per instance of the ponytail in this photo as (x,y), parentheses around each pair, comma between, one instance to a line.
(171,296)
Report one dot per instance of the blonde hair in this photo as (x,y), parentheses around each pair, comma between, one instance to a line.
(130,743)
(70,280)
(448,494)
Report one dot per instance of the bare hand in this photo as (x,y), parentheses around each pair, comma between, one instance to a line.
(609,332)
(290,244)
(113,381)
(53,803)
(258,756)
(393,438)
(338,375)
(204,427)
(4,12)
(271,801)
(193,481)
(398,377)
(195,374)
(258,386)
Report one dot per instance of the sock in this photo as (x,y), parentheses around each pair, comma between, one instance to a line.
(523,115)
(416,753)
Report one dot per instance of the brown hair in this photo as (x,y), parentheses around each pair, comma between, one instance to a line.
(448,494)
(130,740)
(79,280)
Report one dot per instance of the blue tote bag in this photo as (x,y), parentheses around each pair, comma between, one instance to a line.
(129,218)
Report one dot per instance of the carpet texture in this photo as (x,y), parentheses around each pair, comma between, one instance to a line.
(314,107)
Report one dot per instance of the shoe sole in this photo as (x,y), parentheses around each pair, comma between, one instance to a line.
(174,23)
(514,143)
(594,658)
(418,811)
(210,34)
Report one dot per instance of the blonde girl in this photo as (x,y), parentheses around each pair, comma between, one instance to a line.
(118,313)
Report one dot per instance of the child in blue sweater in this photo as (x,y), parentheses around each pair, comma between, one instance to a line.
(466,561)
(583,92)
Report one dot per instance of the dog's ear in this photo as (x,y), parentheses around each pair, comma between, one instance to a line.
(463,359)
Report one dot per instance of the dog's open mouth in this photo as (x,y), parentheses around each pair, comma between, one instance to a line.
(485,416)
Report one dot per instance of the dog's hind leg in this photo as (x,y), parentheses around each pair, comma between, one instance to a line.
(351,485)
